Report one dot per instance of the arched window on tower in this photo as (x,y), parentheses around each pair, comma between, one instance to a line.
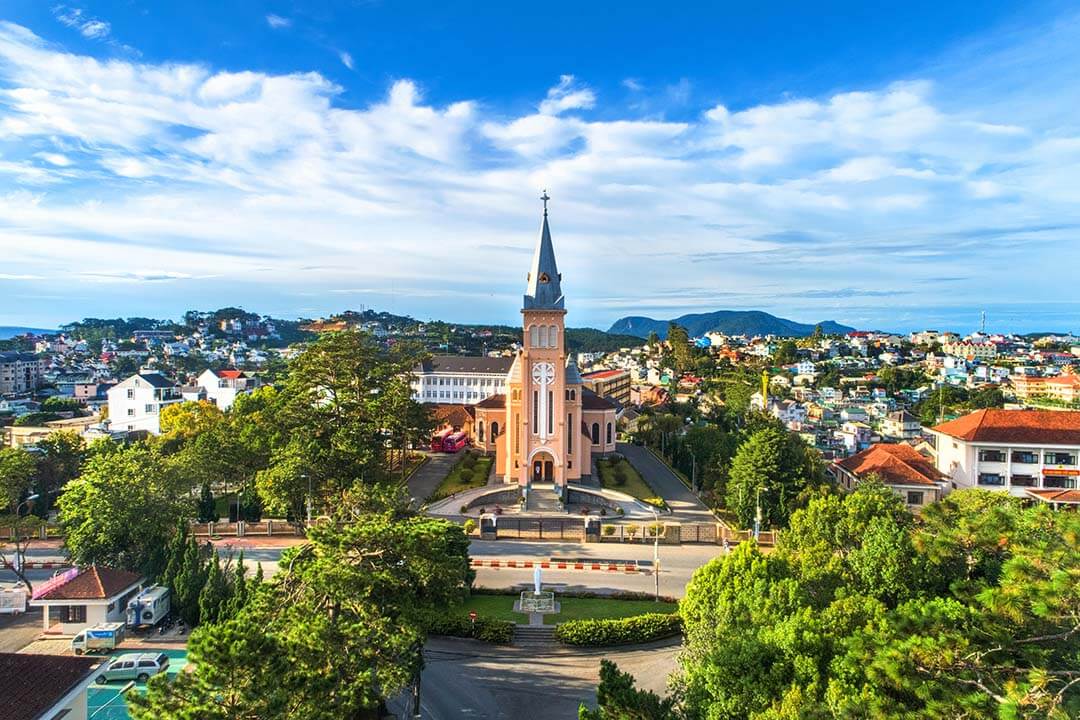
(480,430)
(609,433)
(596,433)
(534,336)
(494,431)
(553,336)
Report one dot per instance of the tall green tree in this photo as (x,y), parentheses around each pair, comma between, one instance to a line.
(123,509)
(340,628)
(63,453)
(618,699)
(772,466)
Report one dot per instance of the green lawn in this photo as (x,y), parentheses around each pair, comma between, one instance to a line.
(633,484)
(501,607)
(470,471)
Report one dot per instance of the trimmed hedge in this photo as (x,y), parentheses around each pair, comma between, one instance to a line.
(587,594)
(499,632)
(626,631)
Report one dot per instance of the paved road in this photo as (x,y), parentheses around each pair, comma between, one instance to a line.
(424,481)
(18,631)
(466,679)
(684,504)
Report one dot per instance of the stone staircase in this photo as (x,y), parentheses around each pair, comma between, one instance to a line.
(542,498)
(534,635)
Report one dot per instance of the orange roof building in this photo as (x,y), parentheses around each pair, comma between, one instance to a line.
(900,467)
(1014,451)
(80,598)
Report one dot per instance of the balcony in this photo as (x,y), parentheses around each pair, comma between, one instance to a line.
(1059,458)
(1025,457)
(991,479)
(991,456)
(1024,481)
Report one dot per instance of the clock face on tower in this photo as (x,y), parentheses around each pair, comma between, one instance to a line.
(543,373)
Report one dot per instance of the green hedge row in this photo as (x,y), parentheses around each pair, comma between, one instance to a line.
(588,594)
(499,632)
(624,631)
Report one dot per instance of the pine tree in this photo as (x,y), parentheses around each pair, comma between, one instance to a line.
(189,583)
(214,592)
(207,506)
(237,591)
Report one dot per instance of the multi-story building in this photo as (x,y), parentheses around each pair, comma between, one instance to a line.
(222,386)
(1062,388)
(136,403)
(611,384)
(1023,452)
(20,372)
(968,349)
(459,379)
(901,425)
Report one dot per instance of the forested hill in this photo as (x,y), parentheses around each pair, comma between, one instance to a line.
(729,322)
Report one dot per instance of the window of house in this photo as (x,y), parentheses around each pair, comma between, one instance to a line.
(131,412)
(991,479)
(1064,482)
(130,393)
(75,613)
(1024,456)
(149,409)
(991,456)
(1023,480)
(1059,458)
(914,497)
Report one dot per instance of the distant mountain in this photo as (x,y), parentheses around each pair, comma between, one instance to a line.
(7,331)
(729,322)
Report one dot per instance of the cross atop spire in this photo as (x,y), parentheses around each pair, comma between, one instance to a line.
(544,291)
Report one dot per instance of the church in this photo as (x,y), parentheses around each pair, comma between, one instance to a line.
(530,410)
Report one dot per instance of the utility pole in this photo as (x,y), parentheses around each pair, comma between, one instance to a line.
(757,514)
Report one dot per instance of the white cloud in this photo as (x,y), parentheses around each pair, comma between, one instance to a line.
(113,167)
(633,85)
(346,59)
(567,96)
(77,19)
(277,22)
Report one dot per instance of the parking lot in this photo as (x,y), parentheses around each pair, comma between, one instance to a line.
(104,701)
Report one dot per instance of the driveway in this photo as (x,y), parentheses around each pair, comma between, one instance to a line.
(467,679)
(424,481)
(18,631)
(684,504)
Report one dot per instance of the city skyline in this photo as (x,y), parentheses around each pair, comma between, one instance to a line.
(298,163)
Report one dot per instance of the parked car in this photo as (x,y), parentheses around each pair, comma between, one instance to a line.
(134,666)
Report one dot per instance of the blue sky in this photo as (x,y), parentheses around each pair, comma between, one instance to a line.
(893,165)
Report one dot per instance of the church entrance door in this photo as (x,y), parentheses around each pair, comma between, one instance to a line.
(543,469)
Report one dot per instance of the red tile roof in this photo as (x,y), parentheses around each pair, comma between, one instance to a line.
(33,684)
(1067,497)
(601,374)
(896,464)
(1051,427)
(230,374)
(93,583)
(457,415)
(495,401)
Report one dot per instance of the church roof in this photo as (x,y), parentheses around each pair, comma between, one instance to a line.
(592,401)
(573,377)
(492,402)
(545,289)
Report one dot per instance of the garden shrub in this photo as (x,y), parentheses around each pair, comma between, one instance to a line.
(608,530)
(500,632)
(469,526)
(624,631)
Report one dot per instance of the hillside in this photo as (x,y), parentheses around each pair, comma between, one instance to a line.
(730,322)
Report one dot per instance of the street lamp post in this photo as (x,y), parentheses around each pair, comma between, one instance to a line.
(656,552)
(757,513)
(19,550)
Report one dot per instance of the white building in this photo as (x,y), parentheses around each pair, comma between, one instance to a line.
(901,425)
(222,386)
(459,379)
(78,599)
(1027,453)
(136,403)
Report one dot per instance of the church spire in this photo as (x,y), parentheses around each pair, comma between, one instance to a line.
(545,290)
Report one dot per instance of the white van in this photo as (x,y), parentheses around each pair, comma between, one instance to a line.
(148,607)
(103,637)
